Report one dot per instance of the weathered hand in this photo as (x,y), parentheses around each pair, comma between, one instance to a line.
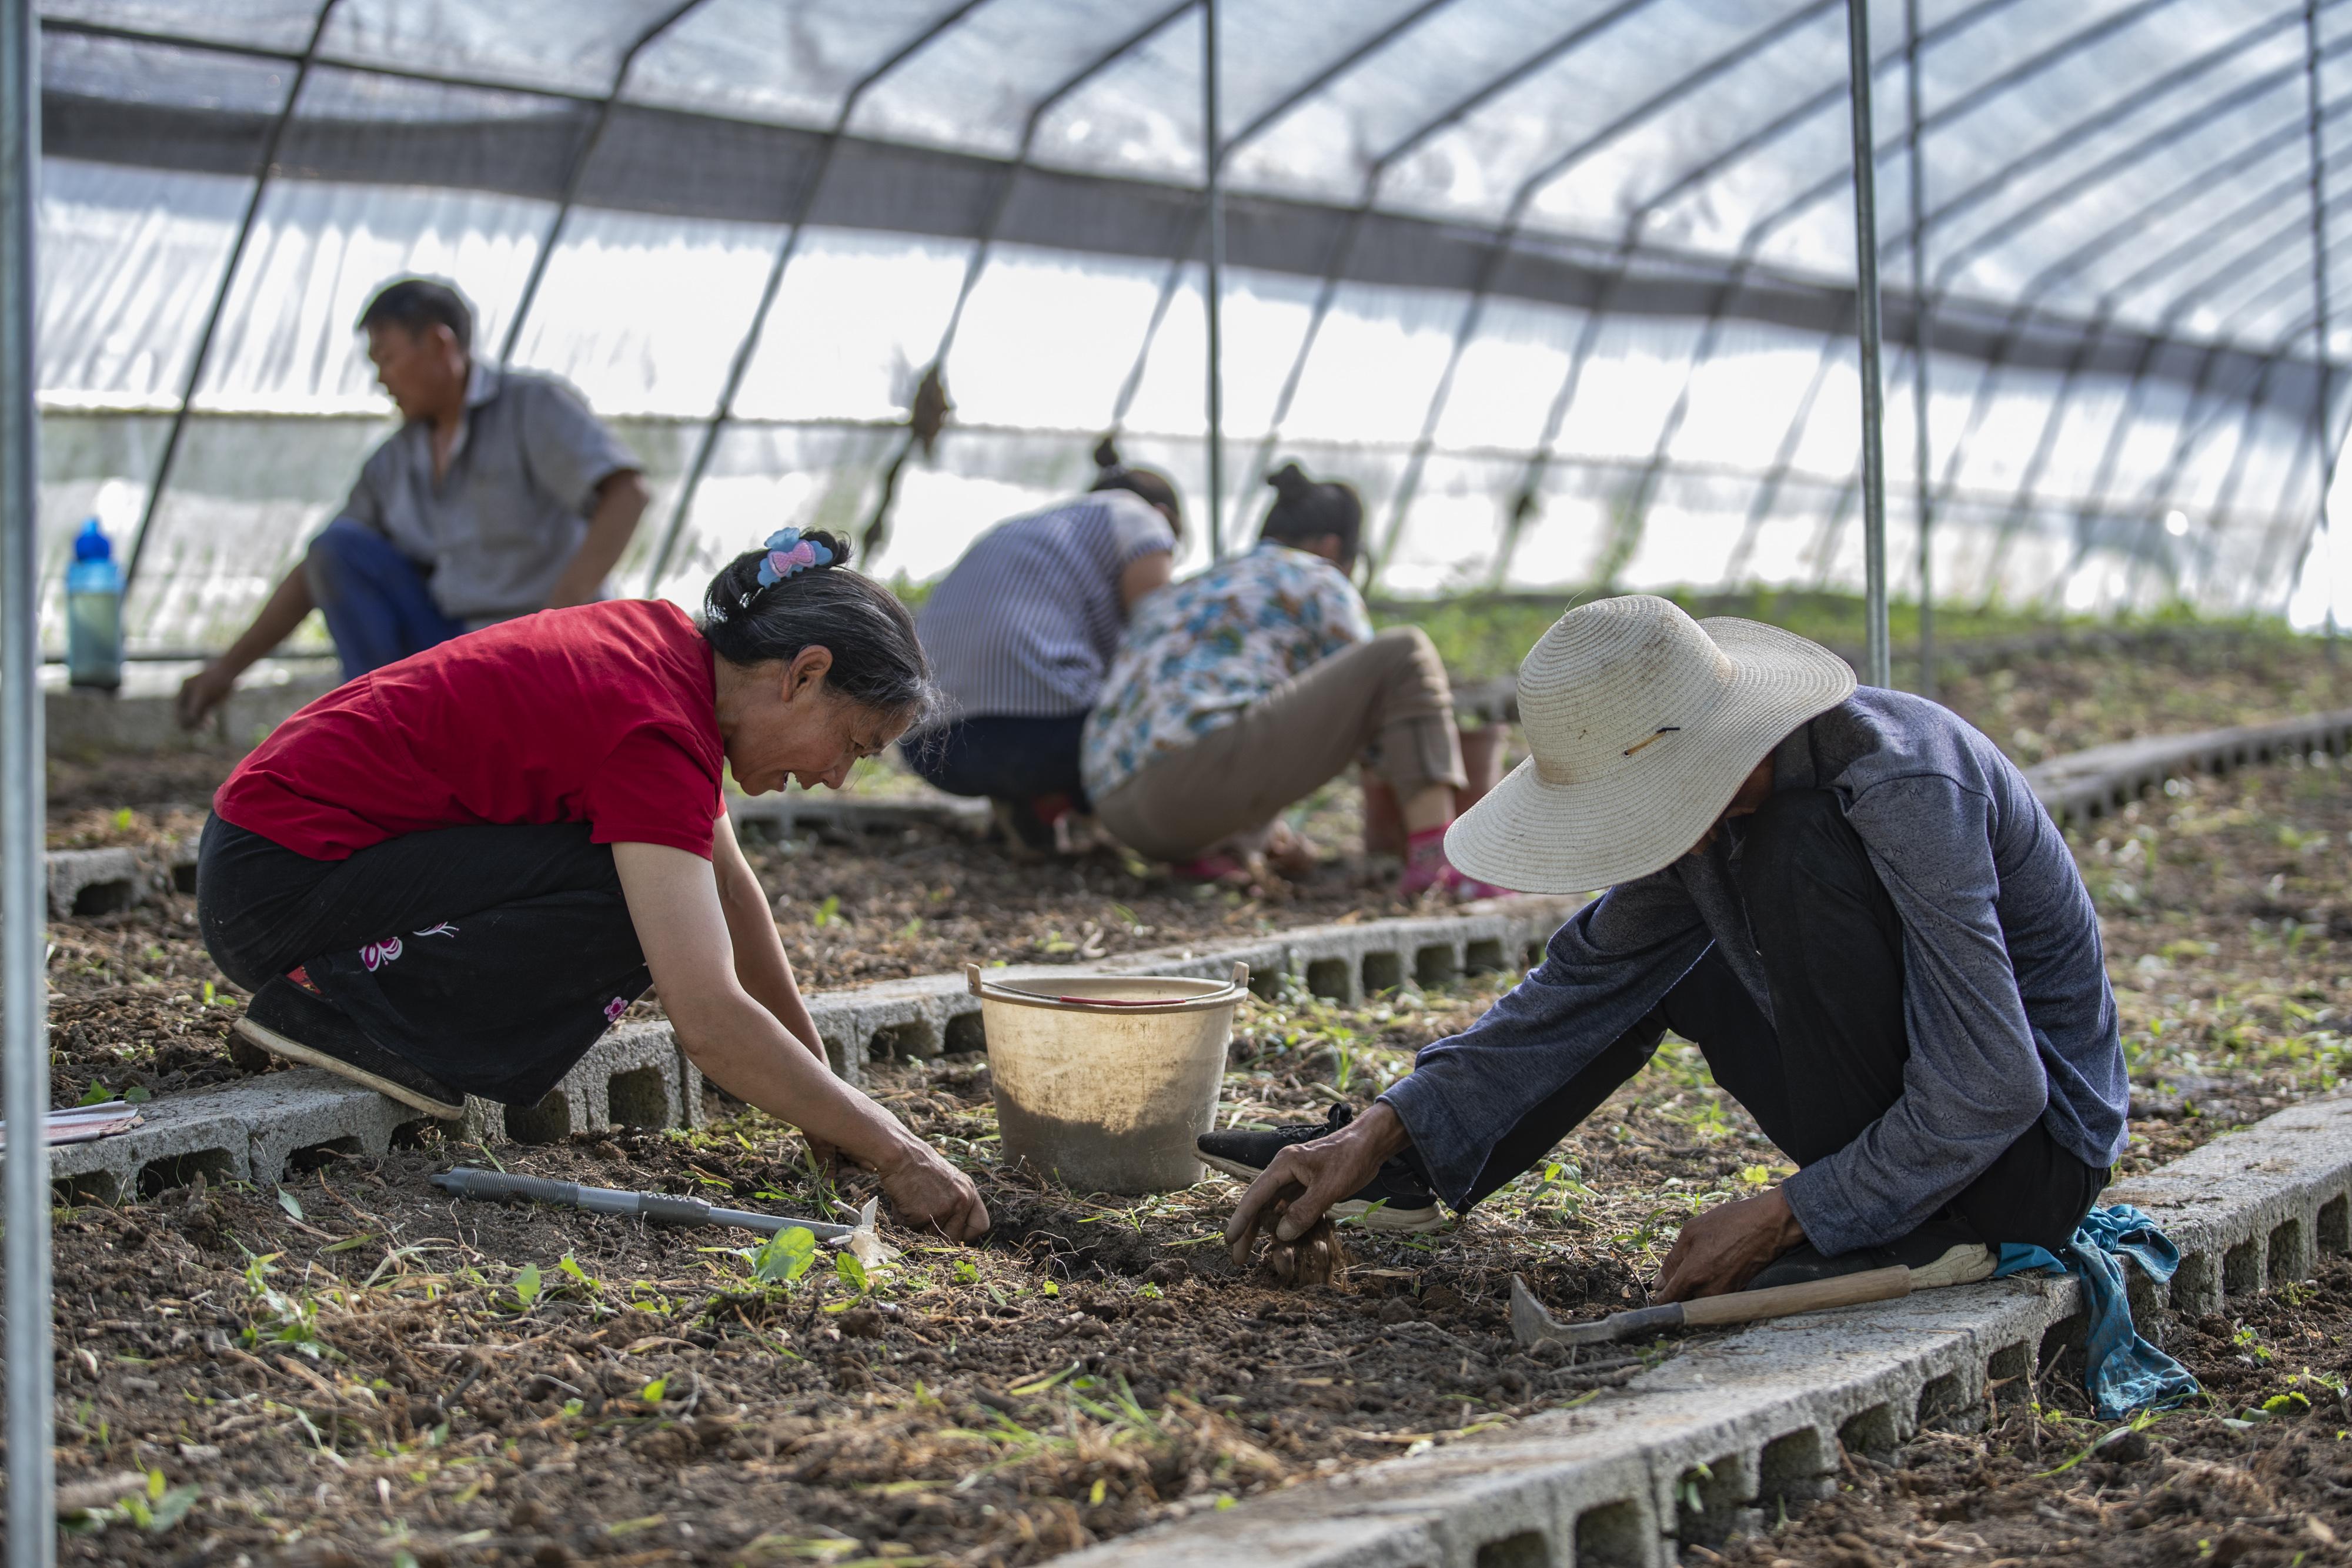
(1315,1258)
(926,1190)
(1305,1179)
(1723,1248)
(200,693)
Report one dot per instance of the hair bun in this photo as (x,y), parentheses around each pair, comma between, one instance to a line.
(1107,454)
(1290,481)
(834,542)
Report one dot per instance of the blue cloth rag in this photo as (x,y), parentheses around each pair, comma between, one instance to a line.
(2125,1371)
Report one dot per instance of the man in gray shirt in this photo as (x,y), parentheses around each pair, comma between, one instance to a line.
(499,495)
(1848,898)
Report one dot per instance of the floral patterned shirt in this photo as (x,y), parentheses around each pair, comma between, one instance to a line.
(1199,651)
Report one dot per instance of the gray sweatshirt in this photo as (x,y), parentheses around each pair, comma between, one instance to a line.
(2005,985)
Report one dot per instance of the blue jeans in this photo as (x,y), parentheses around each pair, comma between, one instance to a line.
(378,607)
(1002,758)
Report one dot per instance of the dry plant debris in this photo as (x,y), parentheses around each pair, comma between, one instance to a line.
(353,1369)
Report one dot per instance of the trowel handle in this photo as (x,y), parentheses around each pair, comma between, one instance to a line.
(1813,1296)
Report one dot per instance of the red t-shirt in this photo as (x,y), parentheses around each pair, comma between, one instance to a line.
(602,714)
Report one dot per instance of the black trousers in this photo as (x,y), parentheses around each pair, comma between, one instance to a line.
(1002,758)
(491,956)
(1832,951)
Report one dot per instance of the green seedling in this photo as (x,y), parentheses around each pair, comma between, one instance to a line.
(785,1257)
(158,1510)
(851,1273)
(526,1286)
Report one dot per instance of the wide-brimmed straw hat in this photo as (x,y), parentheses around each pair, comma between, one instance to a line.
(1641,724)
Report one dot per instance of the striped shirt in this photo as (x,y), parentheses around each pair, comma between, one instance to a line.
(1025,625)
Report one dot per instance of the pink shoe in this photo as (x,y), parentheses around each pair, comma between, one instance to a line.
(1426,867)
(1223,868)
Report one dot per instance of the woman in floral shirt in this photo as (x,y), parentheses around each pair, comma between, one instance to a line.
(1246,688)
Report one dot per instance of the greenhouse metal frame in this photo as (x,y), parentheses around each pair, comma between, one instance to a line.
(1525,221)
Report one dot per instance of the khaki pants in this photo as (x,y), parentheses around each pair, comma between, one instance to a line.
(1385,701)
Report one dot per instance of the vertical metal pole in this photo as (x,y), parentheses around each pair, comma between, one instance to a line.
(24,1000)
(1874,405)
(202,358)
(2319,303)
(1923,340)
(1212,150)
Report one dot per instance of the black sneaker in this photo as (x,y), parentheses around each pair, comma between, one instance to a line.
(1394,1199)
(286,1021)
(1940,1252)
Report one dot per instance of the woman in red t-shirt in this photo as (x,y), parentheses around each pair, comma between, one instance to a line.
(449,876)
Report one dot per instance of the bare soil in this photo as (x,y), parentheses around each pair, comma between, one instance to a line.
(2259,1474)
(358,1370)
(378,1370)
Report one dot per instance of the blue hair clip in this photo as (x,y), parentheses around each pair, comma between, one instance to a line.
(789,554)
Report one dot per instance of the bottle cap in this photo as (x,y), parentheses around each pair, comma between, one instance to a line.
(92,543)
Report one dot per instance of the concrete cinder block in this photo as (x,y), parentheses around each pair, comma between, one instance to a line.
(289,1113)
(2085,785)
(208,1130)
(94,882)
(1716,1440)
(631,1077)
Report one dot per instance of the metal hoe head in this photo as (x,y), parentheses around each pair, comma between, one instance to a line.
(1531,1325)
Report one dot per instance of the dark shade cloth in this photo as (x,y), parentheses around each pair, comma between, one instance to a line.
(2007,1011)
(1002,758)
(378,606)
(492,957)
(494,529)
(603,713)
(1832,1057)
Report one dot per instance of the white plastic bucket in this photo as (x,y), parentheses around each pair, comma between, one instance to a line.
(1103,1081)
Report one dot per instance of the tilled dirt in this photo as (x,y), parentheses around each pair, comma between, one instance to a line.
(2258,1473)
(356,1367)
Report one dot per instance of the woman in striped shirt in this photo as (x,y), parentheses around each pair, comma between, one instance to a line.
(1020,632)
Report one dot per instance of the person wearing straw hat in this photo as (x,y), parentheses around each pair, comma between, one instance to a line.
(1847,897)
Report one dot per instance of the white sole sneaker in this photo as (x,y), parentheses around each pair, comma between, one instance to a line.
(277,1044)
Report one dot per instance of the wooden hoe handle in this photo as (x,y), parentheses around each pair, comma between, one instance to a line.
(1814,1295)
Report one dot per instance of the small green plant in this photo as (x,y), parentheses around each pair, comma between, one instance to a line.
(160,1508)
(851,1273)
(785,1257)
(293,1321)
(526,1286)
(651,1394)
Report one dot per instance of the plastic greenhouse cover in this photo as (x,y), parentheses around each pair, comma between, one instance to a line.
(1604,290)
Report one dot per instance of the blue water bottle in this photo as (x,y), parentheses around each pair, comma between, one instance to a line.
(93,613)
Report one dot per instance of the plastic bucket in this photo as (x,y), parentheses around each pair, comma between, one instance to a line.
(1102,1081)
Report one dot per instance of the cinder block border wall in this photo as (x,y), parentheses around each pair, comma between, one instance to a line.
(637,1075)
(1713,1443)
(2083,786)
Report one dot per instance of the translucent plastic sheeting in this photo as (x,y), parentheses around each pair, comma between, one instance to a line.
(1560,285)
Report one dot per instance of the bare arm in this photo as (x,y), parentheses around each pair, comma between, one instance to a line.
(205,690)
(1144,574)
(621,500)
(674,904)
(760,965)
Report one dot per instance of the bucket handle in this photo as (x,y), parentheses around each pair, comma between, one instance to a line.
(1235,986)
